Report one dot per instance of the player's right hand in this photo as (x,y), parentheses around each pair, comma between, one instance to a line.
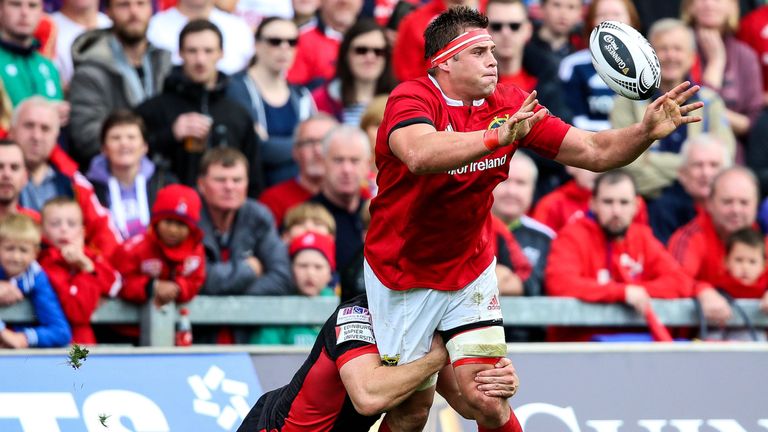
(521,122)
(501,381)
(438,348)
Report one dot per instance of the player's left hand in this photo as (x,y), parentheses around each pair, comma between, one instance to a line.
(667,112)
(501,381)
(521,122)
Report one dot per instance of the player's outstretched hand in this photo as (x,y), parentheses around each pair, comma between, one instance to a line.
(501,381)
(521,122)
(666,113)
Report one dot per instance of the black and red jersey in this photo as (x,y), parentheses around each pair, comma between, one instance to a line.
(315,400)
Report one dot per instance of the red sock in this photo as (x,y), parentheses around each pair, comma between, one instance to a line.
(383,426)
(512,425)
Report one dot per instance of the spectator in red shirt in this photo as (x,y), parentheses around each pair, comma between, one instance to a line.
(518,63)
(318,47)
(745,266)
(609,258)
(167,263)
(35,127)
(13,178)
(570,201)
(510,28)
(308,154)
(408,54)
(699,246)
(78,274)
(753,30)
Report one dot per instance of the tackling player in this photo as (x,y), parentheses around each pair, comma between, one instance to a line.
(342,386)
(444,144)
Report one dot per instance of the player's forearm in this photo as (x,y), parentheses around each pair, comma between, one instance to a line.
(615,148)
(443,151)
(388,386)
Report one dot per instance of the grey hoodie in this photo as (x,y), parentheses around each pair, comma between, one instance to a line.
(104,82)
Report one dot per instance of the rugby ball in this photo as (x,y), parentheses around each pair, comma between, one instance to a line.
(625,60)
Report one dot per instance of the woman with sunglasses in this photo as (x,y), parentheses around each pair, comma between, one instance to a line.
(364,70)
(586,95)
(275,106)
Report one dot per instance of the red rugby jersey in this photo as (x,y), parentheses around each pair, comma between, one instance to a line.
(434,231)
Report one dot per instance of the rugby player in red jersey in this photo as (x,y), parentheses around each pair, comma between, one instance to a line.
(444,144)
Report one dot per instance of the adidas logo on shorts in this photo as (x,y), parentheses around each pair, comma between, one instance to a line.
(494,305)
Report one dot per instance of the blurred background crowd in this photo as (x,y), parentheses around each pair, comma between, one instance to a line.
(155,150)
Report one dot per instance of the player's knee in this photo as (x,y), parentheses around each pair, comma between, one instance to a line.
(411,415)
(489,409)
(412,420)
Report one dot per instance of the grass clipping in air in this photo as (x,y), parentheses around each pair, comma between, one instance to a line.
(76,356)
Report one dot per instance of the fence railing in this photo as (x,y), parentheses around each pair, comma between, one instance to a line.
(158,324)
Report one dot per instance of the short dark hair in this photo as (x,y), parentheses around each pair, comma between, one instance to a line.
(197,26)
(7,142)
(611,178)
(122,117)
(448,25)
(224,156)
(266,22)
(748,236)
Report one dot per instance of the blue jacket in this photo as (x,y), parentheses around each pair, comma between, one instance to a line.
(52,329)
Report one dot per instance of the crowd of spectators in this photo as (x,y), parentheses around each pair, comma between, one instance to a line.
(154,150)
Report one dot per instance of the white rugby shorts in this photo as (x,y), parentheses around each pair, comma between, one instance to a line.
(405,321)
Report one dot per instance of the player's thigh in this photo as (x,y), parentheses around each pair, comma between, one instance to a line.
(403,321)
(479,406)
(472,326)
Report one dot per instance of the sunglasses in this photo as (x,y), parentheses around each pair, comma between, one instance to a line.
(279,41)
(363,50)
(499,26)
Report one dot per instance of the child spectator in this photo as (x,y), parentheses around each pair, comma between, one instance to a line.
(305,217)
(312,265)
(167,263)
(745,266)
(19,244)
(79,275)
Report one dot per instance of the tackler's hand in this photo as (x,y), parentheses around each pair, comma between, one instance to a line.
(501,381)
